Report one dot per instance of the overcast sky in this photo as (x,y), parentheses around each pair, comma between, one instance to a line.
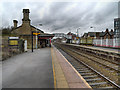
(62,16)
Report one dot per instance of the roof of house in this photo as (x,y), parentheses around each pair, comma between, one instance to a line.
(16,27)
(31,26)
(111,33)
(58,33)
(37,29)
(71,34)
(99,34)
(85,35)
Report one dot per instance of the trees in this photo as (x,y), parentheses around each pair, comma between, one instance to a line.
(6,30)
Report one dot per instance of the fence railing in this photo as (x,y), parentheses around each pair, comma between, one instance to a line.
(107,42)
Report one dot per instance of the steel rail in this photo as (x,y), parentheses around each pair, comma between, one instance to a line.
(117,63)
(110,81)
(95,61)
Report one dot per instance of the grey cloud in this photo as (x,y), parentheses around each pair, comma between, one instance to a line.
(56,17)
(109,12)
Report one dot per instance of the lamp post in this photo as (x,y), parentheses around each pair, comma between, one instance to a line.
(32,40)
(78,32)
(36,40)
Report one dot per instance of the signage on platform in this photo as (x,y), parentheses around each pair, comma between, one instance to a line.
(13,41)
(36,33)
(13,37)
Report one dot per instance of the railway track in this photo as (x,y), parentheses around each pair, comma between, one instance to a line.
(92,76)
(89,52)
(107,64)
(108,56)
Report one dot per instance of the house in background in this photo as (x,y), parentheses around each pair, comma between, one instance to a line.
(73,38)
(100,35)
(85,35)
(108,34)
(73,35)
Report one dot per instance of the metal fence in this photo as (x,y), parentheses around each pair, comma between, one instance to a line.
(107,42)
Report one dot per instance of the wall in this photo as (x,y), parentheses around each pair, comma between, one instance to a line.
(9,51)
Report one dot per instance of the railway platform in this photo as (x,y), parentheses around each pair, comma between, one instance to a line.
(110,50)
(44,68)
(65,75)
(28,70)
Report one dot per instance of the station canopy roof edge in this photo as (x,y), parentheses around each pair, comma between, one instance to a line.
(45,36)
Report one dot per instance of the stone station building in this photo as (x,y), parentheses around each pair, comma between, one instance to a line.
(24,31)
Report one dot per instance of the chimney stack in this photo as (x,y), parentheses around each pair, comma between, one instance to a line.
(111,30)
(107,30)
(15,23)
(26,16)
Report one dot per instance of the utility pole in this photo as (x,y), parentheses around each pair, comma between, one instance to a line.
(78,32)
(36,39)
(32,41)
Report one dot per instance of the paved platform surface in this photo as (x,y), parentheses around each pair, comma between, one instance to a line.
(65,75)
(29,70)
(44,68)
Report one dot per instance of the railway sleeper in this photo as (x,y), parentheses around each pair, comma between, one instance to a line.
(84,71)
(83,74)
(102,87)
(108,87)
(103,64)
(117,59)
(94,79)
(103,55)
(97,56)
(77,65)
(97,84)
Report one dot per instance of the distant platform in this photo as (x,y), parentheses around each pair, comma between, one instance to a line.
(110,50)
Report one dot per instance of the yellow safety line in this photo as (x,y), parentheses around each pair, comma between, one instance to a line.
(53,70)
(75,70)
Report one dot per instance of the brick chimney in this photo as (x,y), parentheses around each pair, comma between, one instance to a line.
(26,16)
(15,23)
(111,30)
(107,30)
